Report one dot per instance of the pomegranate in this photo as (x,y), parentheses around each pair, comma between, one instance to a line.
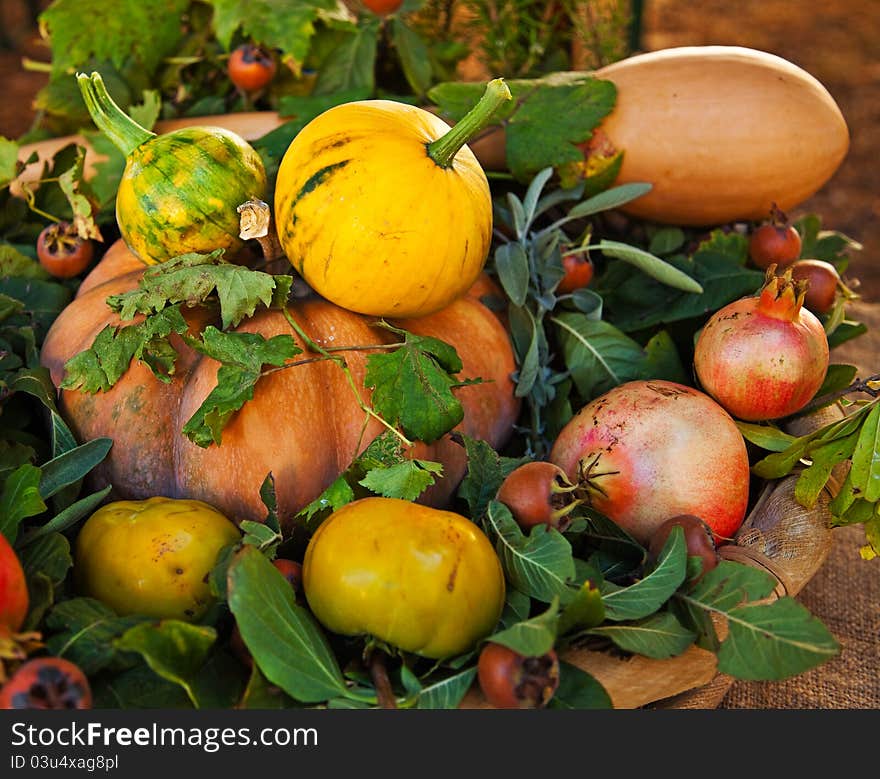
(649,450)
(763,357)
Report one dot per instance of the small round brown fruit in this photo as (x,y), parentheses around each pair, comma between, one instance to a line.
(578,273)
(62,252)
(510,680)
(822,280)
(538,493)
(250,67)
(47,683)
(775,243)
(697,535)
(383,7)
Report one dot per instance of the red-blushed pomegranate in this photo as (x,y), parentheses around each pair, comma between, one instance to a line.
(649,450)
(763,357)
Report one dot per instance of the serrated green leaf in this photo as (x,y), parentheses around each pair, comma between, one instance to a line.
(287,25)
(865,472)
(334,497)
(540,565)
(598,355)
(406,480)
(649,594)
(351,65)
(145,30)
(100,366)
(512,266)
(283,638)
(658,636)
(147,111)
(531,637)
(20,499)
(446,693)
(83,204)
(578,690)
(412,386)
(84,630)
(486,470)
(242,356)
(173,649)
(192,279)
(774,641)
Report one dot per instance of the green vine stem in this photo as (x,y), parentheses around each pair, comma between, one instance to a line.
(444,149)
(340,361)
(123,131)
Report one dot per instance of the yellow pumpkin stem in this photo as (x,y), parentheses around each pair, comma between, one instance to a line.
(444,149)
(123,131)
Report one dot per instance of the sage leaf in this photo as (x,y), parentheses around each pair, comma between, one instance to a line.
(512,266)
(283,638)
(651,266)
(20,499)
(72,466)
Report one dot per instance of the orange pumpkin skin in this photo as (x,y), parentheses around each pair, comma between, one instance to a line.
(303,423)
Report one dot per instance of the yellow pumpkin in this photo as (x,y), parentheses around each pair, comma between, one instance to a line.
(721,132)
(383,209)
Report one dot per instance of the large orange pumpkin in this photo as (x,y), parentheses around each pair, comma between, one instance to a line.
(303,424)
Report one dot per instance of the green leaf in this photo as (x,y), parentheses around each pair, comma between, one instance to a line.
(20,499)
(100,366)
(50,556)
(658,636)
(351,65)
(413,54)
(192,278)
(68,517)
(872,535)
(486,470)
(667,240)
(607,200)
(532,637)
(662,360)
(774,641)
(270,501)
(865,473)
(634,301)
(651,266)
(512,265)
(585,610)
(72,466)
(265,538)
(242,356)
(282,637)
(578,690)
(517,606)
(173,649)
(649,594)
(412,386)
(14,263)
(768,437)
(259,694)
(144,30)
(8,166)
(334,497)
(86,632)
(598,355)
(824,459)
(406,480)
(36,382)
(446,693)
(838,377)
(729,584)
(540,565)
(138,688)
(147,112)
(287,25)
(844,332)
(43,300)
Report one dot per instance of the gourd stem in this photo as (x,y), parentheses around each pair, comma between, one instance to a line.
(444,149)
(123,131)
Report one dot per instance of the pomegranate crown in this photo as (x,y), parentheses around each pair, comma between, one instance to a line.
(781,296)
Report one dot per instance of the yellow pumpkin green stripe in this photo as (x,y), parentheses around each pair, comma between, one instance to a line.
(179,192)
